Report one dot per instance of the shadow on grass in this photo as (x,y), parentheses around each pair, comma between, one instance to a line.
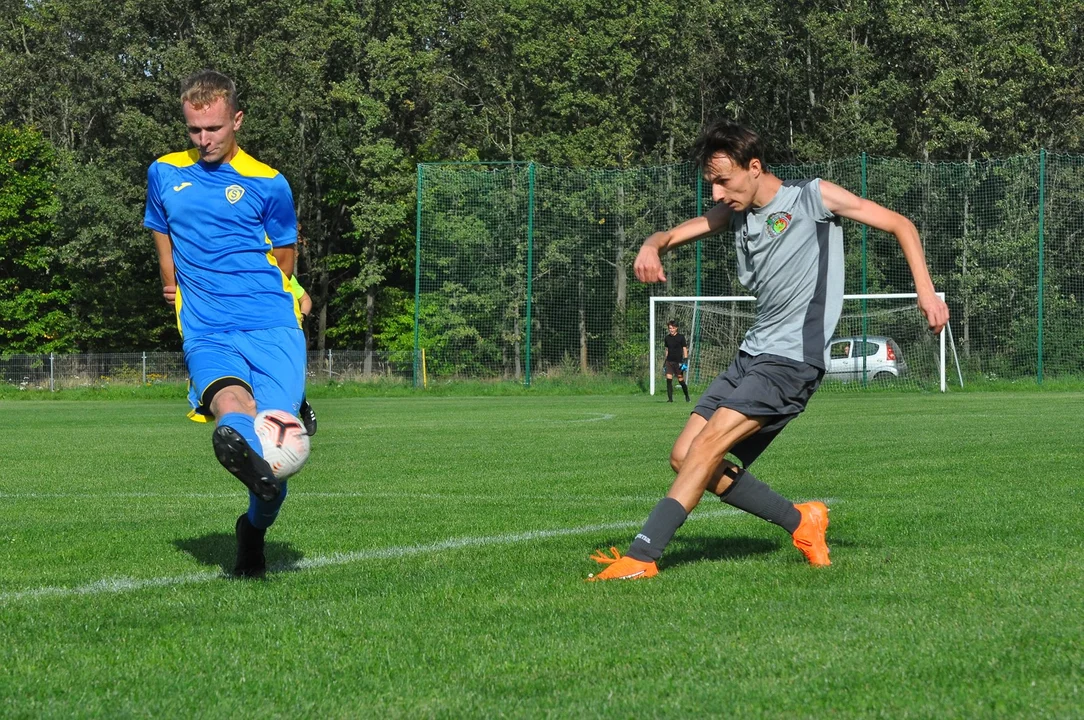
(220,550)
(695,548)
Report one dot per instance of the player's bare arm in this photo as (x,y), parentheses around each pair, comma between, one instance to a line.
(168,272)
(285,257)
(846,204)
(648,264)
(305,306)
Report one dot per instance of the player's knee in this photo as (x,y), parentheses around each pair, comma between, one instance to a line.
(233,399)
(677,458)
(711,445)
(679,453)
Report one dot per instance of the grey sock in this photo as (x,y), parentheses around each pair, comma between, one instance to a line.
(754,497)
(666,517)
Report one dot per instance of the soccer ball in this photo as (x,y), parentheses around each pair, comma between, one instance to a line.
(284,440)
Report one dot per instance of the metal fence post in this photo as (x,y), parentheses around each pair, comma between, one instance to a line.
(417,269)
(694,331)
(52,380)
(1042,218)
(865,269)
(144,368)
(699,243)
(329,364)
(530,268)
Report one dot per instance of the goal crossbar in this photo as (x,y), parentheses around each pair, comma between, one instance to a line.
(749,298)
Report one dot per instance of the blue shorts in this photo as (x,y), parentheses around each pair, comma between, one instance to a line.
(270,364)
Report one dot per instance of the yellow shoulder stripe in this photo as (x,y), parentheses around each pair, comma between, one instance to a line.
(181,159)
(249,166)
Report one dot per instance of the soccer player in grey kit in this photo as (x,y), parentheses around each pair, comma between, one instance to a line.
(789,240)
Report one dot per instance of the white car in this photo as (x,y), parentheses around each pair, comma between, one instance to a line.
(874,357)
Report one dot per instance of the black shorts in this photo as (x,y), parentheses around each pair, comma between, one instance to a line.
(761,386)
(673,367)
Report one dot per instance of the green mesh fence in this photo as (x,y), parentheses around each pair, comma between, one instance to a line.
(525,271)
(1061,268)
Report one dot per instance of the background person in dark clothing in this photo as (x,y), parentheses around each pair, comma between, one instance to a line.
(677,361)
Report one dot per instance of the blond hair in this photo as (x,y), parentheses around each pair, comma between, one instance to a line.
(206,86)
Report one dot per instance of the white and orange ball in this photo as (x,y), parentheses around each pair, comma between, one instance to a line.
(284,440)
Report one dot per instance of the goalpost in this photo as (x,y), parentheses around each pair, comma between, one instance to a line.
(881,340)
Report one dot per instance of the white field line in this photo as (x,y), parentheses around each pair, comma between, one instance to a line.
(595,417)
(296,495)
(123,584)
(116,585)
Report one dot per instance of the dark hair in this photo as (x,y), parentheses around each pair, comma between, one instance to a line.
(671,323)
(737,142)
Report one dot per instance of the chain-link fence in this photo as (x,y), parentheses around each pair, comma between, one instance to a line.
(57,372)
(525,270)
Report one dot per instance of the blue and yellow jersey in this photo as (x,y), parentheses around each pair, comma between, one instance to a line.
(224,219)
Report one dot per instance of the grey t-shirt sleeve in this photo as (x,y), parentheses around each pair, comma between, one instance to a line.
(812,202)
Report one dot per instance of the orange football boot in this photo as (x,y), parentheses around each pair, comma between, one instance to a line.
(809,537)
(622,567)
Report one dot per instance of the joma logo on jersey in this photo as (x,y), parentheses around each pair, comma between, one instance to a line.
(778,223)
(234,193)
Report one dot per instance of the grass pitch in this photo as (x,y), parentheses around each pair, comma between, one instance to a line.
(432,557)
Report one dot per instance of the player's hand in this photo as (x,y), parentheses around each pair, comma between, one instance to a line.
(935,310)
(169,292)
(648,265)
(683,366)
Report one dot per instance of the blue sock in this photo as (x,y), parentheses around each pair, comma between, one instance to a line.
(261,513)
(245,425)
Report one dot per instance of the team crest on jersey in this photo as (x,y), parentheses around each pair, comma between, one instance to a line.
(234,193)
(778,223)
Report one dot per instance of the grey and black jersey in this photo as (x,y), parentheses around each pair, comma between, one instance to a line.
(790,257)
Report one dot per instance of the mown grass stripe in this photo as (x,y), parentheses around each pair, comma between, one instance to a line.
(122,584)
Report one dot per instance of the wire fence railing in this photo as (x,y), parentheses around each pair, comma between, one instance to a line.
(524,270)
(57,372)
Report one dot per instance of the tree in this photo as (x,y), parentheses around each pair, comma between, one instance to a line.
(32,299)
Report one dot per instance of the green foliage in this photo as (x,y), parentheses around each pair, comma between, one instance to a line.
(346,98)
(109,259)
(33,299)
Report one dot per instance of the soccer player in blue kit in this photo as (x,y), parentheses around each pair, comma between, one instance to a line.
(225,231)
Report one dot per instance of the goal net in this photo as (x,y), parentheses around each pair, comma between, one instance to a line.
(881,341)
